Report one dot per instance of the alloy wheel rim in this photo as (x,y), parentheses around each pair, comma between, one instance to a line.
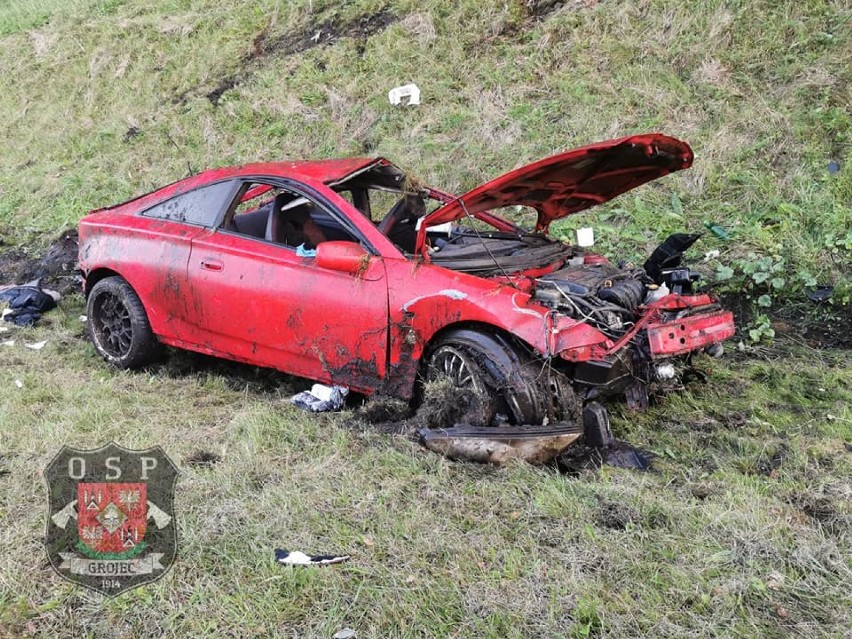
(113,326)
(451,363)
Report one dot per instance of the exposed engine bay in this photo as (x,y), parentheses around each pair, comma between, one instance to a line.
(602,294)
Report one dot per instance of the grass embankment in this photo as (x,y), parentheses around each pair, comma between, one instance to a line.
(744,531)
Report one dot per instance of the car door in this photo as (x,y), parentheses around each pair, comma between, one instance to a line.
(156,262)
(264,303)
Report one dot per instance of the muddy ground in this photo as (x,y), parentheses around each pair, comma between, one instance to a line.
(56,265)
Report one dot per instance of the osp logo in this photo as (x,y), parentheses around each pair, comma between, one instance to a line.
(111,522)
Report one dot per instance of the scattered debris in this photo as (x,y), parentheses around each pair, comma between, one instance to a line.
(821,294)
(717,230)
(407,95)
(83,319)
(19,383)
(36,346)
(585,236)
(27,302)
(297,558)
(321,398)
(303,251)
(131,133)
(834,166)
(345,633)
(8,342)
(619,455)
(202,458)
(501,444)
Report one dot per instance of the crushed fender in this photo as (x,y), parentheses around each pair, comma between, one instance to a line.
(501,444)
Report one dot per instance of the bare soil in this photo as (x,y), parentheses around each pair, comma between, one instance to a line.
(56,267)
(323,34)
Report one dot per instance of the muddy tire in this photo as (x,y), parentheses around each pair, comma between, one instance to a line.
(494,367)
(118,325)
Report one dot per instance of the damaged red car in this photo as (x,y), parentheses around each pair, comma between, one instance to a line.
(347,272)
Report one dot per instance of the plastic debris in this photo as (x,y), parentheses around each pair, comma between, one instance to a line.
(821,294)
(84,319)
(36,346)
(409,91)
(619,454)
(8,342)
(321,398)
(345,633)
(4,329)
(303,251)
(711,255)
(585,236)
(833,166)
(297,558)
(717,230)
(19,383)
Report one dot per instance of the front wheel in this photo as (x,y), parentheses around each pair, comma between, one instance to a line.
(507,376)
(118,325)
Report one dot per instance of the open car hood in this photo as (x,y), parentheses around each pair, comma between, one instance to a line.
(575,180)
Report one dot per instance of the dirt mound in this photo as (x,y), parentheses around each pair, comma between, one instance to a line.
(442,406)
(57,266)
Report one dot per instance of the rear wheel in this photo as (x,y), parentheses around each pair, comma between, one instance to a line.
(508,377)
(118,325)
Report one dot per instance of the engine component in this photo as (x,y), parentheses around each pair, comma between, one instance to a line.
(600,293)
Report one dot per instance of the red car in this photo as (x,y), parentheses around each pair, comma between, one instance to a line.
(348,272)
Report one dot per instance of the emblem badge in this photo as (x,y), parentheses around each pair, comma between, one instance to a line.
(111,523)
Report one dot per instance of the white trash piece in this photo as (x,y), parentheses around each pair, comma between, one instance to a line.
(321,398)
(36,346)
(586,236)
(322,392)
(410,91)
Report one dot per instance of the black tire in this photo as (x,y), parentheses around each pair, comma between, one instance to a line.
(118,325)
(500,370)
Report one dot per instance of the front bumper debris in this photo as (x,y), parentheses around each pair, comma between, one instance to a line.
(688,334)
(501,444)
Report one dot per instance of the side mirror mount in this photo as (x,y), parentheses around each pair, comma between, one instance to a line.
(336,255)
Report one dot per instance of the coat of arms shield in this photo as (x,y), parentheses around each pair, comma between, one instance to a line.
(123,504)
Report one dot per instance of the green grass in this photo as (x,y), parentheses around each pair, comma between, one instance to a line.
(744,530)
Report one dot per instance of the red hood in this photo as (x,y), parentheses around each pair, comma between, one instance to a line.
(575,180)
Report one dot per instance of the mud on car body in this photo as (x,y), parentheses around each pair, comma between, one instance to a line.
(347,272)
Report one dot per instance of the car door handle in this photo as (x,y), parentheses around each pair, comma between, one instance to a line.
(212,265)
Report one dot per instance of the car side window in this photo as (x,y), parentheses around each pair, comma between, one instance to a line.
(282,216)
(200,206)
